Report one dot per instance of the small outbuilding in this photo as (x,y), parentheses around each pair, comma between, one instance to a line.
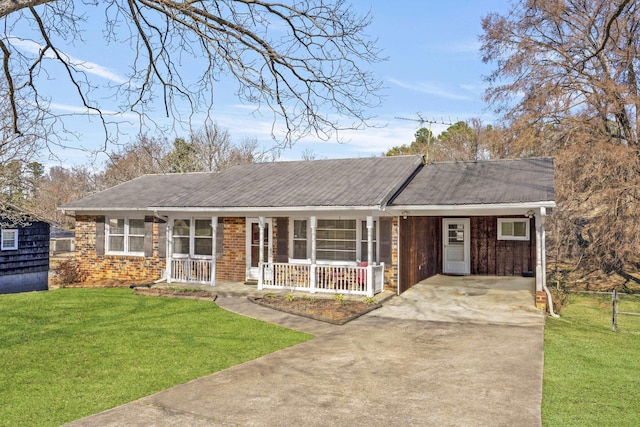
(24,252)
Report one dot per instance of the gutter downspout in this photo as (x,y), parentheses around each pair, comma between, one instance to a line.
(541,258)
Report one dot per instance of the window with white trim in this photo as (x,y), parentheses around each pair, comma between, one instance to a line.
(192,237)
(300,239)
(336,240)
(125,236)
(9,239)
(181,236)
(203,237)
(513,229)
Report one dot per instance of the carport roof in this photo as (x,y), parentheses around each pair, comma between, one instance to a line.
(528,180)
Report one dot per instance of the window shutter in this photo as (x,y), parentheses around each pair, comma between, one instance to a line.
(162,238)
(100,235)
(386,245)
(220,238)
(148,236)
(282,252)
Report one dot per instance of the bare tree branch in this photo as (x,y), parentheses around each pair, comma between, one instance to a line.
(305,61)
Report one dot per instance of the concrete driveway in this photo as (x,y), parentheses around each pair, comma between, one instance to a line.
(469,299)
(395,366)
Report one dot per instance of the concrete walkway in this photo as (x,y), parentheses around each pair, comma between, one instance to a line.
(385,368)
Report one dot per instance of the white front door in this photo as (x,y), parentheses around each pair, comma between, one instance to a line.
(253,246)
(456,247)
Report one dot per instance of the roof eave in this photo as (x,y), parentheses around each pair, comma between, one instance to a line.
(471,209)
(254,209)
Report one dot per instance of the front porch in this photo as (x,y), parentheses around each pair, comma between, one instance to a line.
(367,280)
(304,254)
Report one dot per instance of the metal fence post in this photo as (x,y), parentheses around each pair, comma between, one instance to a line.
(614,311)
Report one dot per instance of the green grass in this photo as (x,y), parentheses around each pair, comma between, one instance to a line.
(591,374)
(69,353)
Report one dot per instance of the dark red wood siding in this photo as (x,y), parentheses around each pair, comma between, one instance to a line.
(421,249)
(493,257)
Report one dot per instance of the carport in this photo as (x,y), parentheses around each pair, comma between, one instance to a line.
(468,299)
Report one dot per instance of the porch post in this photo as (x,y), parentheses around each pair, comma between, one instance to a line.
(214,243)
(261,253)
(169,245)
(370,260)
(313,222)
(370,231)
(314,225)
(261,226)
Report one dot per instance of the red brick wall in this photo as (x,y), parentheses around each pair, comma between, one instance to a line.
(230,267)
(233,263)
(113,267)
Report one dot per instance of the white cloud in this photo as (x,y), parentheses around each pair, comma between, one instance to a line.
(431,89)
(461,47)
(85,66)
(456,47)
(77,109)
(470,88)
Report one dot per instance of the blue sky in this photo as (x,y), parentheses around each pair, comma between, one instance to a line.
(433,69)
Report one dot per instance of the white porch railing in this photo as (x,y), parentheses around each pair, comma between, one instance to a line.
(322,278)
(190,270)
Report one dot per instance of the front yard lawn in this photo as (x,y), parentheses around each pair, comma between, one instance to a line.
(591,374)
(69,353)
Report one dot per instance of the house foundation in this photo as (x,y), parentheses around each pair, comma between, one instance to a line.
(541,300)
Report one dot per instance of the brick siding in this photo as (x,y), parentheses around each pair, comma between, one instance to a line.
(391,271)
(113,267)
(232,265)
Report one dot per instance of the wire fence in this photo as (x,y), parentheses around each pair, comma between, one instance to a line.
(628,302)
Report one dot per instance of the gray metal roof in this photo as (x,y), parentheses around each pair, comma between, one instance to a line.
(319,183)
(482,182)
(339,182)
(139,193)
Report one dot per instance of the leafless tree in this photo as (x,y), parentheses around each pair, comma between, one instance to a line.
(308,154)
(16,151)
(146,155)
(305,60)
(566,83)
(558,61)
(62,185)
(213,150)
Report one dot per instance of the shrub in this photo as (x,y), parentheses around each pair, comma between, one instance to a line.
(68,272)
(370,300)
(560,299)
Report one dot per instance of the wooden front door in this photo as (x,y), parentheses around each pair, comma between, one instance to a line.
(456,246)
